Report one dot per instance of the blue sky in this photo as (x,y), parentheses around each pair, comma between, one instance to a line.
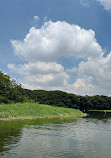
(57,44)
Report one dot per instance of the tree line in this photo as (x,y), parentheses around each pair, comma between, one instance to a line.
(11,92)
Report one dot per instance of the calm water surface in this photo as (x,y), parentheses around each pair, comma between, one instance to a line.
(80,138)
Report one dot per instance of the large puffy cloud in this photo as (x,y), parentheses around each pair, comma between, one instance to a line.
(98,71)
(82,86)
(106,4)
(43,47)
(99,68)
(41,75)
(54,40)
(51,76)
(37,68)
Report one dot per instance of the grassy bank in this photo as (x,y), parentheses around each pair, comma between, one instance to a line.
(35,110)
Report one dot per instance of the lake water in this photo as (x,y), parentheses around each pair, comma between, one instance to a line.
(79,138)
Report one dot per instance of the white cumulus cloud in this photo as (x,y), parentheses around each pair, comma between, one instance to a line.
(41,74)
(100,69)
(56,39)
(42,47)
(38,67)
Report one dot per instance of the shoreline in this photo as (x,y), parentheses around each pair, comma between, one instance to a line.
(45,117)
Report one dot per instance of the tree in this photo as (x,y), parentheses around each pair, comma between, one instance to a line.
(10,91)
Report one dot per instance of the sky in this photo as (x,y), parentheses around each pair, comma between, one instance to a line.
(57,44)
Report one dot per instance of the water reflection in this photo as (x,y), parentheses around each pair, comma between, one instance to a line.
(12,131)
(100,115)
(80,138)
(9,134)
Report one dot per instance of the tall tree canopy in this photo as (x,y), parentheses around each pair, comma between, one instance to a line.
(10,91)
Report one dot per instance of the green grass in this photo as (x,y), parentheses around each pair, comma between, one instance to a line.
(35,110)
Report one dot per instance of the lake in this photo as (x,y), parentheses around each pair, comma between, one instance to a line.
(75,138)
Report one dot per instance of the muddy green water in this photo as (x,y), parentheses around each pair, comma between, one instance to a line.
(81,138)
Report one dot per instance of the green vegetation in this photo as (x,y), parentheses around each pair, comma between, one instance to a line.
(11,92)
(95,103)
(63,99)
(35,110)
(55,98)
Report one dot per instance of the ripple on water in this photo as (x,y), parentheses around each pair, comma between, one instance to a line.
(81,138)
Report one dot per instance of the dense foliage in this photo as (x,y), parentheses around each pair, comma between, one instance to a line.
(59,98)
(56,98)
(11,92)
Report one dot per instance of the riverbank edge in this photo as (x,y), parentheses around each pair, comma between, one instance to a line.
(46,117)
(100,110)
